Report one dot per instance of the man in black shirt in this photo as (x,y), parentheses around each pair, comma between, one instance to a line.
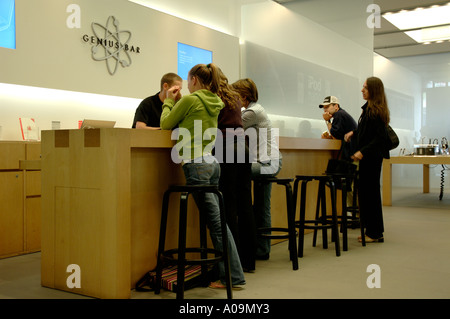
(149,111)
(342,123)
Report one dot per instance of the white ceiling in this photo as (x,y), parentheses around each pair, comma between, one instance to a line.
(390,42)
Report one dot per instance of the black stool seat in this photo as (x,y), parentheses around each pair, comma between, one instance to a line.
(168,256)
(277,180)
(321,221)
(287,232)
(193,188)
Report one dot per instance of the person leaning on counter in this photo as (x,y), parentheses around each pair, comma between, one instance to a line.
(149,111)
(342,124)
(202,107)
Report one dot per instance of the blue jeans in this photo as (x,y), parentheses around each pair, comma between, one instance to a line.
(262,193)
(209,173)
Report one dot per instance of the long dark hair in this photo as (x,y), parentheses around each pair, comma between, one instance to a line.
(377,105)
(208,75)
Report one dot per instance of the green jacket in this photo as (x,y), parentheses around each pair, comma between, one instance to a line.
(196,116)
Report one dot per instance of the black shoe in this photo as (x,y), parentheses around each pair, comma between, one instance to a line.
(263,257)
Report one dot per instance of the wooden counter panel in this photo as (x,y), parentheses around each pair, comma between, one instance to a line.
(291,143)
(152,173)
(33,150)
(11,213)
(33,224)
(80,238)
(86,213)
(33,183)
(101,203)
(10,155)
(19,178)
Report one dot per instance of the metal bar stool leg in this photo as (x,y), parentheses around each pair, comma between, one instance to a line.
(291,226)
(162,239)
(317,217)
(323,217)
(344,215)
(334,217)
(182,245)
(301,228)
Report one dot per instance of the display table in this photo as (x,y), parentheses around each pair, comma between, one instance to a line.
(426,161)
(102,191)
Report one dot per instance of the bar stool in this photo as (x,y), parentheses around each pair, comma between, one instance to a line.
(167,256)
(354,209)
(344,182)
(289,232)
(321,221)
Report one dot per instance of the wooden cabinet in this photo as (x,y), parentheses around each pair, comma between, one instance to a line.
(11,213)
(20,198)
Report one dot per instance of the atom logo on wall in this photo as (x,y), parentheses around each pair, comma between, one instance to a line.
(112,45)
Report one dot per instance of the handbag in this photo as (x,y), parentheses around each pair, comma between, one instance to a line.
(393,140)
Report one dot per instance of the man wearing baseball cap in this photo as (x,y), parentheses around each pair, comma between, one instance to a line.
(339,122)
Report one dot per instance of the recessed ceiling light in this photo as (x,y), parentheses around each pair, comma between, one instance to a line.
(438,16)
(420,18)
(430,34)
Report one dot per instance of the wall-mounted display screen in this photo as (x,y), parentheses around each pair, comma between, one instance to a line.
(188,56)
(7,24)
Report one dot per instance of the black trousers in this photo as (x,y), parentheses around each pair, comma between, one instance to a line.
(369,195)
(236,186)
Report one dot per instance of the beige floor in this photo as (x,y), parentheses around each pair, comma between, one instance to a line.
(414,263)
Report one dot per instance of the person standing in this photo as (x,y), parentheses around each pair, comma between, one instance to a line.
(148,113)
(266,158)
(236,175)
(196,114)
(371,145)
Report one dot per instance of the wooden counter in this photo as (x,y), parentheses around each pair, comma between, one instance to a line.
(101,200)
(20,198)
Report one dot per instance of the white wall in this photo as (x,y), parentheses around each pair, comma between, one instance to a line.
(68,107)
(411,77)
(50,55)
(397,78)
(297,62)
(220,15)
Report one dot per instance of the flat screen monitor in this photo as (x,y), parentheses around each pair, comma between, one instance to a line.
(7,24)
(188,56)
(97,124)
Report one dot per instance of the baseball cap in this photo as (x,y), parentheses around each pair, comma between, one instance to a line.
(329,100)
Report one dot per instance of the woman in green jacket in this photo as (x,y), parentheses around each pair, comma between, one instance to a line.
(196,116)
